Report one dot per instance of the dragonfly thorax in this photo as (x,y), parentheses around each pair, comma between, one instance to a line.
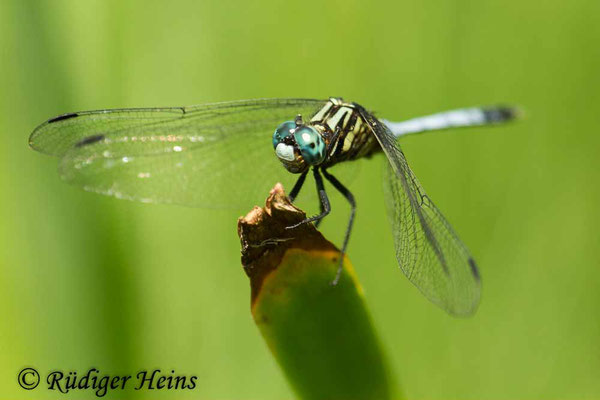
(298,146)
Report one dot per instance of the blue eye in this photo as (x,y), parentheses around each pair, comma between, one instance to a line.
(311,145)
(284,130)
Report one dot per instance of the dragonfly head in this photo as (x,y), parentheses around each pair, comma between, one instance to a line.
(298,146)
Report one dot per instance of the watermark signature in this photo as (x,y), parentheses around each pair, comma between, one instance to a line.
(101,383)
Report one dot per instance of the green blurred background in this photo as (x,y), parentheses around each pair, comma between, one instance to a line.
(88,281)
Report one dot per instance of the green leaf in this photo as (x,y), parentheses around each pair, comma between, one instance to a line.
(321,335)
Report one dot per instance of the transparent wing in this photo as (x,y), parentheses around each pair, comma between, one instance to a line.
(194,156)
(427,249)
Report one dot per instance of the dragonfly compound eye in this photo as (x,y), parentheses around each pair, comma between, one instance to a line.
(282,139)
(283,131)
(311,145)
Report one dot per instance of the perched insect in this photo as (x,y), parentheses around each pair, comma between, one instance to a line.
(196,155)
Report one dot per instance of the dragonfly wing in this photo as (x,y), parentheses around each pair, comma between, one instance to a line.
(216,155)
(428,250)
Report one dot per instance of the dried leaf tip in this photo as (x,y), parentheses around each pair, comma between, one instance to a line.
(265,239)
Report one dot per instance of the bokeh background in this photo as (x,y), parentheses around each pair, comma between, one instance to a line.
(88,281)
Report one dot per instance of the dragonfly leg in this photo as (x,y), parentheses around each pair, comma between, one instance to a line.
(350,197)
(333,140)
(326,207)
(297,186)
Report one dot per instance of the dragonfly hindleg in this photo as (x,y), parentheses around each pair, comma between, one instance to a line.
(350,197)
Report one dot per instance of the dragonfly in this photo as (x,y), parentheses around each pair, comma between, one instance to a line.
(200,155)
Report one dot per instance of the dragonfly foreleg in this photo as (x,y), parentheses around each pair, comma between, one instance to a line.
(350,197)
(325,206)
(297,186)
(333,140)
